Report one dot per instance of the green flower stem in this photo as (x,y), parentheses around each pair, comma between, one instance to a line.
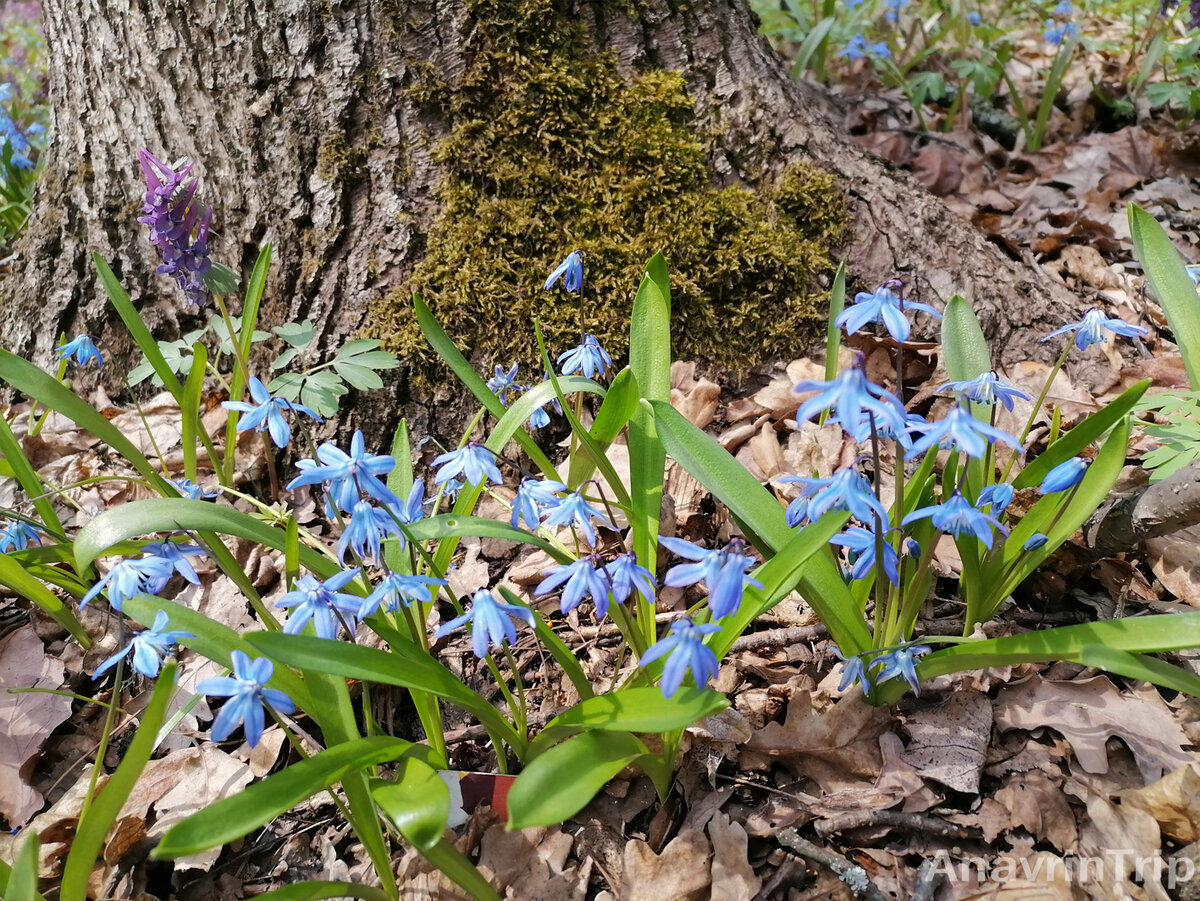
(881,613)
(231,420)
(110,717)
(913,601)
(521,714)
(1037,406)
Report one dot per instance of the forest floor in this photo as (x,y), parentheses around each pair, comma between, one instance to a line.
(1028,782)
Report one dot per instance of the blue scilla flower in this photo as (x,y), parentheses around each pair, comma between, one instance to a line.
(534,498)
(987,389)
(17,536)
(149,648)
(796,513)
(723,571)
(129,578)
(1091,328)
(974,19)
(688,653)
(853,4)
(853,402)
(625,577)
(1035,541)
(570,271)
(958,516)
(473,462)
(539,418)
(248,695)
(858,48)
(266,413)
(578,580)
(350,476)
(1063,10)
(961,431)
(847,489)
(321,602)
(1065,475)
(451,488)
(901,662)
(861,544)
(189,489)
(1055,33)
(502,381)
(365,531)
(885,306)
(177,555)
(994,499)
(574,510)
(853,671)
(396,590)
(411,510)
(892,12)
(491,622)
(588,358)
(82,349)
(1194,274)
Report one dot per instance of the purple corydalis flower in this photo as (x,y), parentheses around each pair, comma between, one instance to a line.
(491,622)
(149,648)
(1091,328)
(177,227)
(723,570)
(883,305)
(688,653)
(266,413)
(82,349)
(248,695)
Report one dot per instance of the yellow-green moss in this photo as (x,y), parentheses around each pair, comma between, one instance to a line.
(550,150)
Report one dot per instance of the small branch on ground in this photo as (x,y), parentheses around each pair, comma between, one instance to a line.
(912,822)
(778,638)
(852,874)
(1162,508)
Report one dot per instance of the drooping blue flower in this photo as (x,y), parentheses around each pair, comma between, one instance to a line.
(1091,328)
(349,475)
(885,306)
(451,488)
(1066,474)
(129,578)
(853,402)
(847,489)
(411,510)
(396,590)
(854,670)
(858,48)
(974,19)
(473,462)
(82,349)
(987,389)
(1035,541)
(1063,10)
(248,694)
(573,509)
(502,381)
(688,653)
(322,603)
(1194,274)
(861,543)
(190,489)
(957,516)
(17,535)
(901,662)
(892,12)
(491,622)
(581,579)
(177,555)
(961,431)
(723,570)
(534,498)
(994,499)
(589,358)
(626,577)
(570,270)
(365,532)
(149,648)
(1057,33)
(539,418)
(266,413)
(853,4)
(796,513)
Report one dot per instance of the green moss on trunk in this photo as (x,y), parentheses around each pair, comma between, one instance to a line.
(549,151)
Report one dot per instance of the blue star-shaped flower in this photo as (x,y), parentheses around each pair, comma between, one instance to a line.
(570,270)
(177,555)
(995,499)
(82,349)
(853,402)
(365,531)
(396,590)
(17,536)
(884,306)
(473,462)
(149,648)
(723,570)
(574,510)
(685,645)
(581,579)
(266,413)
(847,489)
(248,694)
(491,622)
(1091,328)
(901,662)
(589,358)
(191,490)
(858,48)
(502,381)
(961,431)
(129,578)
(349,475)
(958,516)
(854,670)
(861,543)
(626,577)
(322,603)
(534,498)
(987,389)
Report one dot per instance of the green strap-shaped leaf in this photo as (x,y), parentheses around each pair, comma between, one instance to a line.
(1141,667)
(189,408)
(562,781)
(30,482)
(964,348)
(416,800)
(19,882)
(837,294)
(238,815)
(14,576)
(454,525)
(618,405)
(1170,285)
(99,818)
(449,860)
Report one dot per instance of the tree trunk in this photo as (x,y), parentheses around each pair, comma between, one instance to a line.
(310,128)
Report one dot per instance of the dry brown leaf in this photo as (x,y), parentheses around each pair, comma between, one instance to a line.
(681,872)
(695,398)
(948,741)
(1038,804)
(1125,840)
(1090,712)
(1174,559)
(1042,877)
(733,878)
(26,717)
(939,168)
(1173,801)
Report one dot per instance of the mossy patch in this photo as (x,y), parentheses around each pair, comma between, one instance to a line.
(550,150)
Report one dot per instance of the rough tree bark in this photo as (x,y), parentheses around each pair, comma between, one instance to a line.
(271,96)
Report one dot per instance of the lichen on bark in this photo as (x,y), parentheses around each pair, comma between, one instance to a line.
(550,150)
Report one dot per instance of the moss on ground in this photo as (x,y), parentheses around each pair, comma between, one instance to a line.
(550,150)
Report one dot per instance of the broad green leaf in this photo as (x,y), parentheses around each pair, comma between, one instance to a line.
(14,576)
(1141,667)
(837,295)
(220,279)
(1170,285)
(29,480)
(93,827)
(319,890)
(641,709)
(358,377)
(416,800)
(449,525)
(618,405)
(561,782)
(1084,434)
(296,334)
(20,881)
(650,332)
(449,860)
(964,348)
(808,47)
(240,814)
